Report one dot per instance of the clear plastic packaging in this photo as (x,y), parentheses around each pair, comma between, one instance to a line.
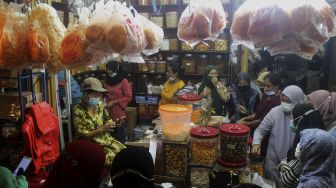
(201,21)
(38,44)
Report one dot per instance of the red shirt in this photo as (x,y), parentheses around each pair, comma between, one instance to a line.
(121,92)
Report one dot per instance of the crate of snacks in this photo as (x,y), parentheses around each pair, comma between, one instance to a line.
(198,175)
(204,144)
(233,141)
(176,155)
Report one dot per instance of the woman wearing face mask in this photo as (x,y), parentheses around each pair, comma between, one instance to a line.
(173,84)
(276,123)
(118,96)
(304,117)
(244,100)
(213,90)
(325,102)
(317,153)
(92,121)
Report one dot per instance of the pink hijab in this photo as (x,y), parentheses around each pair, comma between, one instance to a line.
(325,102)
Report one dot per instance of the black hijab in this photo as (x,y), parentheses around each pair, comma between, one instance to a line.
(311,119)
(115,71)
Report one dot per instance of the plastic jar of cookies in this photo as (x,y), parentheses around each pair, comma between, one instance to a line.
(157,19)
(204,142)
(165,44)
(189,64)
(171,19)
(194,101)
(161,66)
(173,44)
(151,66)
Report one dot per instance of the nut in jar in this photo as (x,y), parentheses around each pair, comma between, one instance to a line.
(204,153)
(199,177)
(176,157)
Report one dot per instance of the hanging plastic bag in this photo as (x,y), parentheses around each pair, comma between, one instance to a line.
(154,34)
(38,44)
(52,26)
(327,13)
(13,46)
(268,23)
(73,48)
(201,20)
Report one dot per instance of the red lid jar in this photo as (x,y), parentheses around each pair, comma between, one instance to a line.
(233,141)
(194,101)
(204,144)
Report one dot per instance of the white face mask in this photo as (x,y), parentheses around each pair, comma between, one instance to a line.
(172,78)
(287,107)
(270,93)
(298,151)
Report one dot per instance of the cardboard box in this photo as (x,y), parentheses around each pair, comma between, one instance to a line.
(10,98)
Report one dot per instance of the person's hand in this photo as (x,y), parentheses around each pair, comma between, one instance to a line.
(242,121)
(256,150)
(242,109)
(214,81)
(112,103)
(206,92)
(110,126)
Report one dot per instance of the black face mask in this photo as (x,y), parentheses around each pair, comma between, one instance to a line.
(244,88)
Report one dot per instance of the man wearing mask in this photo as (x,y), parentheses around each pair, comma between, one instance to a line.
(277,124)
(92,121)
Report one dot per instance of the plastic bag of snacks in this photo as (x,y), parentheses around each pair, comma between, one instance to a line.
(38,44)
(52,26)
(124,34)
(13,47)
(73,48)
(201,20)
(154,34)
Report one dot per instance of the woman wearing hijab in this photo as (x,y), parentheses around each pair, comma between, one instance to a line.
(128,171)
(317,153)
(213,90)
(304,117)
(118,96)
(81,164)
(244,100)
(325,102)
(276,123)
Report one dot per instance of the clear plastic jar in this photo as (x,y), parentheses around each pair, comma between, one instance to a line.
(189,64)
(157,19)
(151,66)
(202,62)
(171,19)
(204,144)
(161,66)
(173,44)
(143,2)
(165,44)
(194,101)
(233,140)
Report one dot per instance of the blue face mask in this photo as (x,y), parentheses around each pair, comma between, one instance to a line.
(94,101)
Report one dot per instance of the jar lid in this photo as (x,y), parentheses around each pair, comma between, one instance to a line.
(235,129)
(204,132)
(176,108)
(189,97)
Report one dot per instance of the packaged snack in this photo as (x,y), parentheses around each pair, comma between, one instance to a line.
(38,44)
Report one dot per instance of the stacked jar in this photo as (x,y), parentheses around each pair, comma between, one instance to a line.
(233,141)
(194,101)
(204,142)
(189,64)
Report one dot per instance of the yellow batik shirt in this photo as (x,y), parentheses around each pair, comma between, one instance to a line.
(169,90)
(85,122)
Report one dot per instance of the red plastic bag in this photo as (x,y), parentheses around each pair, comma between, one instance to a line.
(201,20)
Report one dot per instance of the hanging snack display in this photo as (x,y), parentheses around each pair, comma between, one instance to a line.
(52,26)
(38,44)
(233,142)
(175,121)
(13,49)
(201,21)
(204,144)
(284,27)
(176,159)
